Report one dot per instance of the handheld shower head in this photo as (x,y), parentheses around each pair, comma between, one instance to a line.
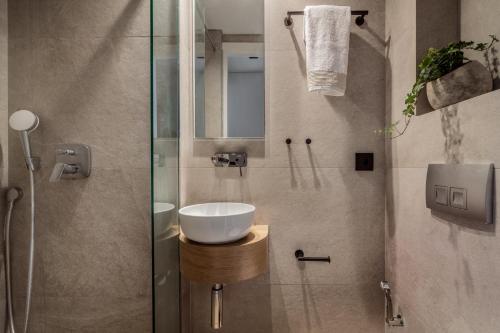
(25,122)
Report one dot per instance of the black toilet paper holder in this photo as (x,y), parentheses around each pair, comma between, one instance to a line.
(299,254)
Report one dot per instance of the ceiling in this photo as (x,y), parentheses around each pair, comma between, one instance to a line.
(234,16)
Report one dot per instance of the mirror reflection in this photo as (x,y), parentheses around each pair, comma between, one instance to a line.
(229,69)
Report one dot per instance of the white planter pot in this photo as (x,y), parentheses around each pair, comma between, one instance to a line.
(470,80)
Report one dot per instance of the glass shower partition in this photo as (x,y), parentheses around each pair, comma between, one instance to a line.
(165,164)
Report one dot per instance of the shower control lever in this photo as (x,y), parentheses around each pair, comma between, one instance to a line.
(61,169)
(72,161)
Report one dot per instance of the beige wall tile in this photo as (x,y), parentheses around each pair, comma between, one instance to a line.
(441,269)
(83,67)
(350,121)
(310,196)
(37,320)
(95,240)
(461,133)
(97,314)
(292,308)
(95,91)
(22,18)
(94,18)
(334,212)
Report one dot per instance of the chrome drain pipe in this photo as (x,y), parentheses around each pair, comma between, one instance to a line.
(390,319)
(217,293)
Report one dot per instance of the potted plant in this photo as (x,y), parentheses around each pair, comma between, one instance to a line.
(449,77)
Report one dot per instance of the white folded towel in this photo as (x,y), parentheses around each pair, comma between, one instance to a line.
(326,34)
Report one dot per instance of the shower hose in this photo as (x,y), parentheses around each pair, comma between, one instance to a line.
(11,198)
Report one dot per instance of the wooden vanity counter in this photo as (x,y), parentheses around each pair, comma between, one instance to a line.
(226,263)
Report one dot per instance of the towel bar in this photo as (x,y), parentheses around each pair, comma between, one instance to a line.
(360,19)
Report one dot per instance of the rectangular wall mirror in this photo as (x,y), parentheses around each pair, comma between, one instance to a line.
(229,77)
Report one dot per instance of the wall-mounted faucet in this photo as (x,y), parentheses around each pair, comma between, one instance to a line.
(72,161)
(231,160)
(390,318)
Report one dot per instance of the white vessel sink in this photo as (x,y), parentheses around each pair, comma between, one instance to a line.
(216,223)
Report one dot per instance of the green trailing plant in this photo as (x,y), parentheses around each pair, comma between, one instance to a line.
(435,64)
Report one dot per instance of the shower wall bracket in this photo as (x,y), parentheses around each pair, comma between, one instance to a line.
(36,162)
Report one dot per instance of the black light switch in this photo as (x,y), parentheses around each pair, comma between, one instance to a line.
(364,161)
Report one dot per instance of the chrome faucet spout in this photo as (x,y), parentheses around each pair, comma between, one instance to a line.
(232,160)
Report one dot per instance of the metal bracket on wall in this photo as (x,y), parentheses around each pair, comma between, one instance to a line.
(390,318)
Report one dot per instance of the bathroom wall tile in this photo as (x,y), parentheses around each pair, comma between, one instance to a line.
(22,18)
(88,98)
(471,30)
(422,244)
(20,71)
(37,316)
(400,18)
(95,239)
(441,269)
(460,133)
(336,212)
(292,308)
(310,196)
(94,18)
(349,121)
(329,120)
(167,283)
(139,181)
(400,76)
(442,136)
(74,64)
(98,314)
